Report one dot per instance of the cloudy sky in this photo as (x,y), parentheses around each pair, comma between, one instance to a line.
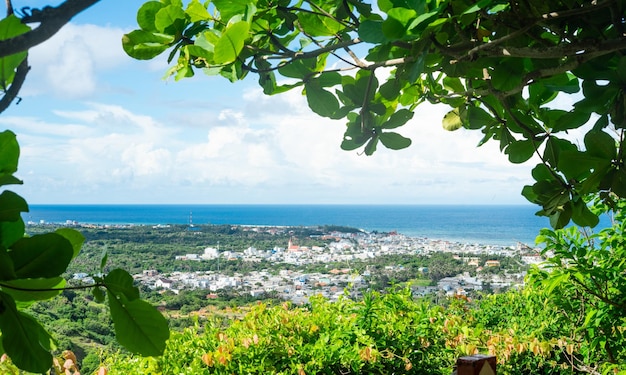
(96,126)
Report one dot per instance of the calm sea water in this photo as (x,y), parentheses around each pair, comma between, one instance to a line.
(502,225)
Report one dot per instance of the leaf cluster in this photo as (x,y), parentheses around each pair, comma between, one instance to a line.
(499,65)
(32,269)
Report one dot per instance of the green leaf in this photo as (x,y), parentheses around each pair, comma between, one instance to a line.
(371,146)
(477,118)
(98,294)
(520,151)
(139,327)
(10,27)
(231,8)
(144,45)
(43,255)
(554,147)
(146,15)
(11,206)
(231,43)
(329,79)
(9,152)
(75,237)
(299,69)
(619,183)
(542,172)
(478,6)
(452,120)
(321,101)
(170,20)
(581,215)
(398,119)
(565,82)
(33,289)
(119,282)
(11,231)
(394,140)
(103,258)
(453,84)
(507,75)
(24,340)
(577,165)
(198,12)
(354,137)
(601,145)
(372,32)
(402,15)
(393,29)
(318,25)
(7,271)
(560,218)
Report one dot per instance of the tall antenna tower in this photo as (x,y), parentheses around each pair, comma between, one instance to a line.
(190,219)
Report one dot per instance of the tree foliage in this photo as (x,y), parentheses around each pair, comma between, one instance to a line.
(499,65)
(32,267)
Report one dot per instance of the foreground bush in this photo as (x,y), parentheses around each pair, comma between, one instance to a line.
(380,334)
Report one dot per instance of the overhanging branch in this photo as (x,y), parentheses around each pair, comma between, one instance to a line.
(11,93)
(50,19)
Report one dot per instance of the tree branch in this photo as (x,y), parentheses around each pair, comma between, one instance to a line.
(16,85)
(594,47)
(50,19)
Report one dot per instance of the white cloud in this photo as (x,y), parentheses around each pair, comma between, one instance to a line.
(274,150)
(67,64)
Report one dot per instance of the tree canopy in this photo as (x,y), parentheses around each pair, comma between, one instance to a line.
(501,66)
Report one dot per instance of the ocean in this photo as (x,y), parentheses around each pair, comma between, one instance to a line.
(497,225)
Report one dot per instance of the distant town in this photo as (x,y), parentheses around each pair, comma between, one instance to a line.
(338,275)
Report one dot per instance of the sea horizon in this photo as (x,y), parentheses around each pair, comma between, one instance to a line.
(488,224)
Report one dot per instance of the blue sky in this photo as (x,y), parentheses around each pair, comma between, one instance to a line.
(96,126)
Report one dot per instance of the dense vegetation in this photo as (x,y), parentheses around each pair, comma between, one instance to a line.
(535,330)
(499,65)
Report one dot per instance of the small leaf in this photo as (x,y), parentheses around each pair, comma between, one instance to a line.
(103,258)
(198,12)
(394,141)
(147,14)
(582,216)
(601,145)
(98,294)
(229,8)
(321,101)
(520,151)
(170,20)
(393,29)
(9,152)
(452,120)
(372,32)
(143,45)
(398,119)
(477,118)
(11,206)
(119,282)
(371,146)
(139,327)
(453,84)
(231,43)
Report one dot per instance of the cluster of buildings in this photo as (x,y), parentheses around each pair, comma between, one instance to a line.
(344,248)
